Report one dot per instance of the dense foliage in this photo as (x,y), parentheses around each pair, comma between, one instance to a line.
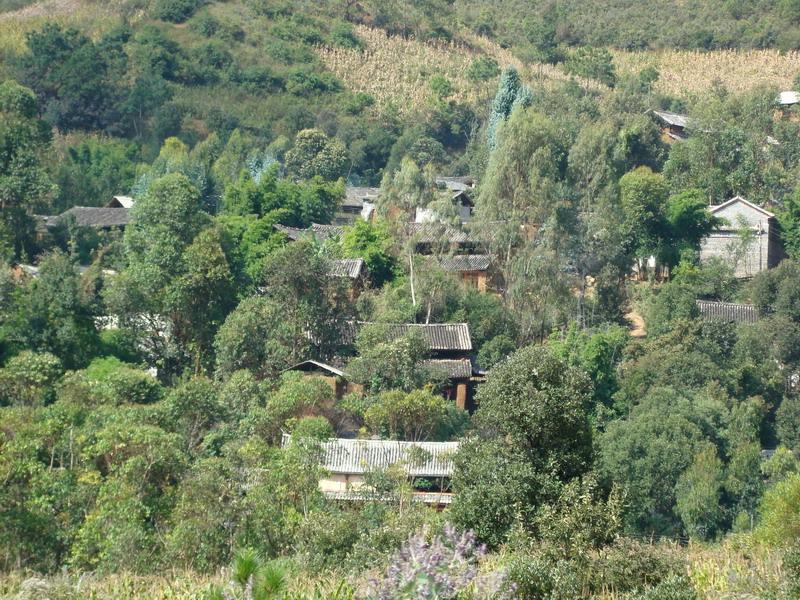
(148,377)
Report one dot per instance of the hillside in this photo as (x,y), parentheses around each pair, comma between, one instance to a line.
(394,299)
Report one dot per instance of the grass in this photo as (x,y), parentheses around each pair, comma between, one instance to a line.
(687,73)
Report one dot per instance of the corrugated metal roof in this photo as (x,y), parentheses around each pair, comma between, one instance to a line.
(672,119)
(435,498)
(352,268)
(323,232)
(92,216)
(460,368)
(353,457)
(439,336)
(314,364)
(727,311)
(466,262)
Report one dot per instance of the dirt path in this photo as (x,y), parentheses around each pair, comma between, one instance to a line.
(636,324)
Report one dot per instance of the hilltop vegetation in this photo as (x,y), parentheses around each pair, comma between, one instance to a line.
(153,359)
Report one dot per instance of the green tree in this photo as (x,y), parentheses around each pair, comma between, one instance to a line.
(594,63)
(386,362)
(780,513)
(314,154)
(372,242)
(789,219)
(29,378)
(54,314)
(202,296)
(413,416)
(643,195)
(532,426)
(510,93)
(698,494)
(25,187)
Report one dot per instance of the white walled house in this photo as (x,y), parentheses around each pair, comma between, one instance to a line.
(759,251)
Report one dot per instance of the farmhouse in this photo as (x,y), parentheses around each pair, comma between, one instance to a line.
(317,232)
(358,202)
(673,126)
(430,236)
(91,217)
(121,202)
(428,465)
(450,355)
(352,270)
(472,269)
(336,378)
(748,238)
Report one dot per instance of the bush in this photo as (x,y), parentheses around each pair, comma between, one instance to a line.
(444,567)
(483,69)
(29,377)
(175,11)
(342,35)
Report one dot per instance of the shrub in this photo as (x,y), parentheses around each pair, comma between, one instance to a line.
(28,378)
(444,567)
(175,11)
(483,69)
(342,35)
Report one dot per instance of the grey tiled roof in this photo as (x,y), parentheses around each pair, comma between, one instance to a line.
(91,216)
(320,232)
(354,457)
(465,262)
(355,196)
(456,184)
(451,369)
(351,268)
(728,311)
(440,336)
(428,233)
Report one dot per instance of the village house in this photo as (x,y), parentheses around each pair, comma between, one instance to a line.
(336,378)
(450,356)
(121,202)
(460,193)
(429,237)
(358,202)
(92,217)
(428,466)
(748,238)
(354,271)
(673,126)
(472,269)
(316,231)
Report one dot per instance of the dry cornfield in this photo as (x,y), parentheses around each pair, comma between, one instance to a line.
(397,71)
(689,73)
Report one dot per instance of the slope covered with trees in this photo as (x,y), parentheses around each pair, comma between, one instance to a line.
(150,370)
